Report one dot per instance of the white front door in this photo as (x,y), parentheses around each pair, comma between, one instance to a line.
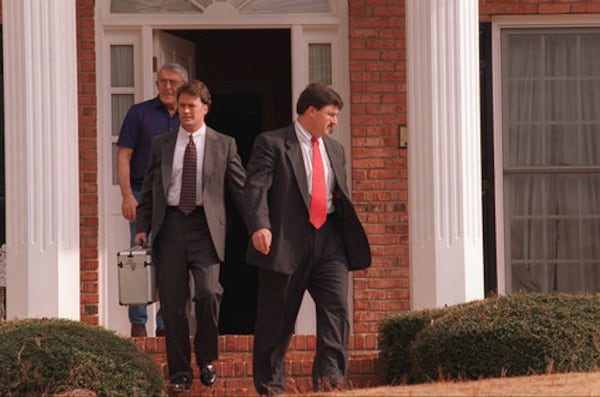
(169,48)
(131,81)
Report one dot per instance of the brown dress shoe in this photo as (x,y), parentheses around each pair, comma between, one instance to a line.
(138,330)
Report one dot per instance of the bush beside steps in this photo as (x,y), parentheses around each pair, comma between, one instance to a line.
(46,357)
(513,335)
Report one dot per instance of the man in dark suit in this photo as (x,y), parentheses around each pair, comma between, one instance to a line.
(183,204)
(305,236)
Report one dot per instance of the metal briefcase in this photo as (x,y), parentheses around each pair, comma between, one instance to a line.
(137,277)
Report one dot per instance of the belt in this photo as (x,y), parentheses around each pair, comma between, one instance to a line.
(176,208)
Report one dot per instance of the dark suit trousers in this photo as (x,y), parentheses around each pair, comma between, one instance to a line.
(184,246)
(324,273)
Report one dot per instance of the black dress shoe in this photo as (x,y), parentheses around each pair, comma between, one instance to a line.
(208,374)
(180,383)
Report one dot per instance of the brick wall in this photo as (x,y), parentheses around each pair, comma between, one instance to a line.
(488,8)
(379,166)
(88,161)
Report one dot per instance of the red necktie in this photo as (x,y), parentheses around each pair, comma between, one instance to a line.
(187,196)
(318,202)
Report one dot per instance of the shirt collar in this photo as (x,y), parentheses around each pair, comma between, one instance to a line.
(302,134)
(183,134)
(158,103)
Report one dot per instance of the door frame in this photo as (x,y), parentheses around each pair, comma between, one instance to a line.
(138,30)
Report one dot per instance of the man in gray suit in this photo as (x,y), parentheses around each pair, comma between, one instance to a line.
(305,236)
(183,203)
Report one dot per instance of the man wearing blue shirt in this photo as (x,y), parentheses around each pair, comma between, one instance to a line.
(143,122)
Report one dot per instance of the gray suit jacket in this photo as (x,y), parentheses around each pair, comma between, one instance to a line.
(277,198)
(222,172)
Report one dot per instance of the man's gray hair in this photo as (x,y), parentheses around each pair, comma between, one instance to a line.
(177,68)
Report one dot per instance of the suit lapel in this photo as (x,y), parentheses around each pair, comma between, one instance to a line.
(210,159)
(167,153)
(294,153)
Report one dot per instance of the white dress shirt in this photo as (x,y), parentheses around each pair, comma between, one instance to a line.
(304,137)
(183,137)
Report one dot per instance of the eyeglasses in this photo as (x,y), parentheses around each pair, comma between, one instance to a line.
(173,83)
(331,115)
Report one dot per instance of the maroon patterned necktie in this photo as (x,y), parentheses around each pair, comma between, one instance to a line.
(318,202)
(187,197)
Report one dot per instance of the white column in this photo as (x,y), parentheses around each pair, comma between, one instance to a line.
(446,254)
(41,154)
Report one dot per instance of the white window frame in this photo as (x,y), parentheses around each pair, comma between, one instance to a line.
(512,22)
(218,15)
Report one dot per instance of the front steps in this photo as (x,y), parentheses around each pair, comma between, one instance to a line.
(234,366)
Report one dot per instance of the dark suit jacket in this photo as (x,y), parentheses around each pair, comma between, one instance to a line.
(222,172)
(277,198)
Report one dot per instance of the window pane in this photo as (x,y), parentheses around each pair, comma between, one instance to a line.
(121,66)
(561,55)
(153,6)
(562,100)
(120,103)
(554,228)
(319,61)
(198,6)
(590,64)
(590,92)
(551,97)
(284,6)
(590,142)
(525,145)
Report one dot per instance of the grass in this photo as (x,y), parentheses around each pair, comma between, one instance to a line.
(565,384)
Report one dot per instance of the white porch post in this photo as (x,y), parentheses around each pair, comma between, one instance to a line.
(446,254)
(41,154)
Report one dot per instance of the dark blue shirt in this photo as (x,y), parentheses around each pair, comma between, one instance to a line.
(143,122)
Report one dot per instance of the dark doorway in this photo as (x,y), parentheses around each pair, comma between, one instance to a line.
(248,73)
(487,159)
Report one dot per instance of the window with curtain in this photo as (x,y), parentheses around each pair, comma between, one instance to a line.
(551,159)
(319,63)
(122,92)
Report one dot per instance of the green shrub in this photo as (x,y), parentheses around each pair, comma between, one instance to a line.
(49,356)
(501,336)
(395,337)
